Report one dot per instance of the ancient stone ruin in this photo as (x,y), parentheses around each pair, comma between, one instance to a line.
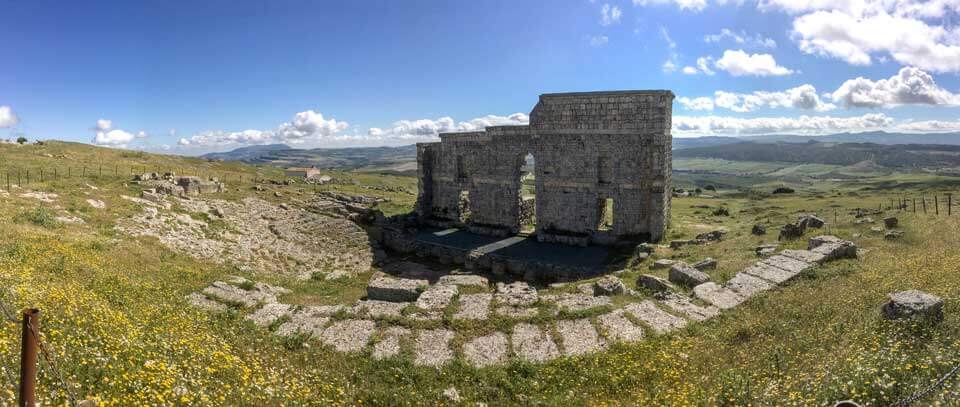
(588,149)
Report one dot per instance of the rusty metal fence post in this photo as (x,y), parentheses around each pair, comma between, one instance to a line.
(28,357)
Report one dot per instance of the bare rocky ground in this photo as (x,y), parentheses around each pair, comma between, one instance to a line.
(414,311)
(255,235)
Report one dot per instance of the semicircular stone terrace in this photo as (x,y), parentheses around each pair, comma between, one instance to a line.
(436,320)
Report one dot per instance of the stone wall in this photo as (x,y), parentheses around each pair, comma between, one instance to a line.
(588,147)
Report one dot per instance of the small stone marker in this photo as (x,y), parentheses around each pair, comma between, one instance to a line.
(487,350)
(893,234)
(913,304)
(433,347)
(579,337)
(662,264)
(349,335)
(474,306)
(722,298)
(758,230)
(683,274)
(765,250)
(659,320)
(619,328)
(532,344)
(609,285)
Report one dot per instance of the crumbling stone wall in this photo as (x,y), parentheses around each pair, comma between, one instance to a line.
(588,147)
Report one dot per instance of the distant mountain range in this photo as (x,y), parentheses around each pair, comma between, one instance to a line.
(841,148)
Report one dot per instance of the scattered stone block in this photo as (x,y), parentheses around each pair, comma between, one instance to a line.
(579,337)
(676,244)
(389,344)
(533,344)
(758,230)
(474,306)
(517,293)
(683,305)
(618,328)
(840,249)
(658,320)
(787,263)
(578,302)
(585,289)
(227,293)
(747,285)
(432,347)
(714,235)
(913,304)
(437,297)
(708,263)
(891,222)
(487,350)
(792,231)
(464,280)
(654,283)
(683,274)
(662,264)
(765,250)
(720,297)
(804,256)
(349,335)
(386,288)
(811,221)
(609,285)
(769,273)
(893,234)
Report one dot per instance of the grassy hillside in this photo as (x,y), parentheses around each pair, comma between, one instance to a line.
(905,156)
(115,317)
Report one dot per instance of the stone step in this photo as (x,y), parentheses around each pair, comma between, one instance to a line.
(432,347)
(683,305)
(658,320)
(532,344)
(474,306)
(487,350)
(618,328)
(349,335)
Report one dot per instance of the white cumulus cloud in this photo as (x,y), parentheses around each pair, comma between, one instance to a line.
(308,126)
(106,135)
(740,63)
(598,40)
(910,86)
(700,103)
(7,118)
(428,129)
(695,5)
(724,125)
(930,126)
(802,97)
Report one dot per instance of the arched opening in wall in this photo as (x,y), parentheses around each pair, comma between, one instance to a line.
(605,215)
(464,206)
(528,195)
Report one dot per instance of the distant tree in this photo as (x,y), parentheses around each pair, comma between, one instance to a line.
(21,140)
(710,188)
(783,190)
(697,191)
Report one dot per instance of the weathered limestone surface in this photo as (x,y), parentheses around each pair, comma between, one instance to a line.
(913,304)
(433,347)
(659,320)
(747,285)
(269,313)
(654,283)
(379,309)
(349,335)
(517,294)
(437,297)
(389,344)
(487,350)
(464,280)
(578,302)
(720,297)
(588,147)
(684,274)
(474,306)
(533,344)
(619,328)
(579,337)
(683,305)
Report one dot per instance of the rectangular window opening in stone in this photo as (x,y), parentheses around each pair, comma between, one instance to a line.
(461,168)
(605,207)
(604,170)
(528,195)
(464,206)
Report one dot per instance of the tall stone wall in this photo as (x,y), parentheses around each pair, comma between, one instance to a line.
(588,148)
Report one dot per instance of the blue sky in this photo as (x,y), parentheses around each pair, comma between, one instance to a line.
(192,77)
